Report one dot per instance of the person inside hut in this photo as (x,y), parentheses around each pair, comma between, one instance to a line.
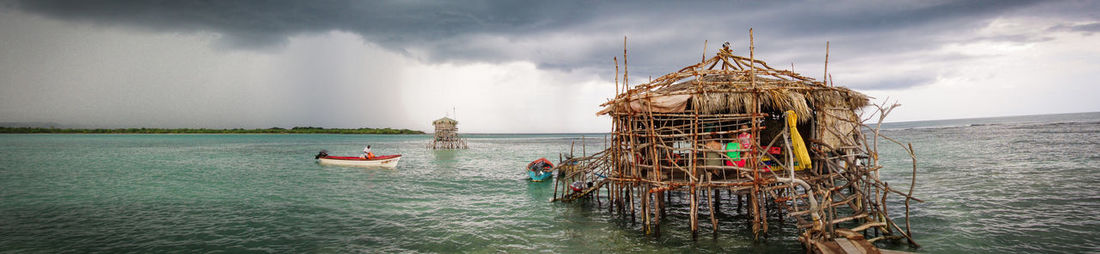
(367,154)
(742,142)
(713,158)
(745,138)
(733,151)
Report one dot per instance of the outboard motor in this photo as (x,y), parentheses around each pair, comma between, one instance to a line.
(323,153)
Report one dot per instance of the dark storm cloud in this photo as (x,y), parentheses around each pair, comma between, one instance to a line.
(1085,28)
(570,35)
(262,23)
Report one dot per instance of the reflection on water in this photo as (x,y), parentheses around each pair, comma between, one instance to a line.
(445,158)
(540,191)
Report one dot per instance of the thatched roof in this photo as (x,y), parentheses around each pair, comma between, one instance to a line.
(726,83)
(445,120)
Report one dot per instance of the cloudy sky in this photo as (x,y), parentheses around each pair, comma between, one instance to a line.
(515,66)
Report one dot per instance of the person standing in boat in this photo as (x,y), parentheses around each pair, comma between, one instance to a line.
(366,153)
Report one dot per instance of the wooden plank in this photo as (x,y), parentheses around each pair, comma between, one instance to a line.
(849,247)
(893,251)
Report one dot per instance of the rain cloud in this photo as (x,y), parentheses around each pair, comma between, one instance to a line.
(571,35)
(264,63)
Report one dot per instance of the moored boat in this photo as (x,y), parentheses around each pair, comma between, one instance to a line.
(540,169)
(383,161)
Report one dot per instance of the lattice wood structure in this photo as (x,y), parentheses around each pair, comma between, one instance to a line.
(670,136)
(446,135)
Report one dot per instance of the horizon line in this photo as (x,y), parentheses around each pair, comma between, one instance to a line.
(35,124)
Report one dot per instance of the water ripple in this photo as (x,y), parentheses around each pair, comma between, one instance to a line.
(997,187)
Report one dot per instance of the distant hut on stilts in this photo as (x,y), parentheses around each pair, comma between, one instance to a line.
(446,135)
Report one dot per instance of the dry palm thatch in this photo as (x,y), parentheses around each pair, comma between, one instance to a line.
(698,131)
(737,89)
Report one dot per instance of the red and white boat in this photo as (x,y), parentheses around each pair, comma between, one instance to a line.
(383,161)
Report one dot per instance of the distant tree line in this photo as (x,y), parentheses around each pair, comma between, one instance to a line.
(273,130)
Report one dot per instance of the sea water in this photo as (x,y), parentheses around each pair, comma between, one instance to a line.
(1020,184)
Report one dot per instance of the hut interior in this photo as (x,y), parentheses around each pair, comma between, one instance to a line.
(723,131)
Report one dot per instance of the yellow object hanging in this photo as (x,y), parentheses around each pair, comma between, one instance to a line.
(801,155)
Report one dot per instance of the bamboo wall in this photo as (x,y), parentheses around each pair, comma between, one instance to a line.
(652,157)
(446,136)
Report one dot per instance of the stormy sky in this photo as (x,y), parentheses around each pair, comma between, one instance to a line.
(515,66)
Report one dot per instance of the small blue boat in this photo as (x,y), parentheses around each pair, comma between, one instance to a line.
(540,169)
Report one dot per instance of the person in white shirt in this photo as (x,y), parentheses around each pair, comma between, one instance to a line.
(366,153)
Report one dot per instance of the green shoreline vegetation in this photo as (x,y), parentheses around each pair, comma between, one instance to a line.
(274,130)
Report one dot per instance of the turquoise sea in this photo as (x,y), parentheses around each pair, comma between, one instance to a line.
(997,185)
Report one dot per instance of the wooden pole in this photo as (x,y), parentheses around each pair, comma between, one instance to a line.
(626,70)
(710,203)
(704,51)
(560,173)
(825,76)
(754,198)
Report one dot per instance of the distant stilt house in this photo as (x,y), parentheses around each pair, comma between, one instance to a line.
(446,135)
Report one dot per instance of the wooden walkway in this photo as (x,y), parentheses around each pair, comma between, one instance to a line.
(851,246)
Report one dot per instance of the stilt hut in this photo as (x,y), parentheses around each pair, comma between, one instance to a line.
(446,135)
(732,129)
